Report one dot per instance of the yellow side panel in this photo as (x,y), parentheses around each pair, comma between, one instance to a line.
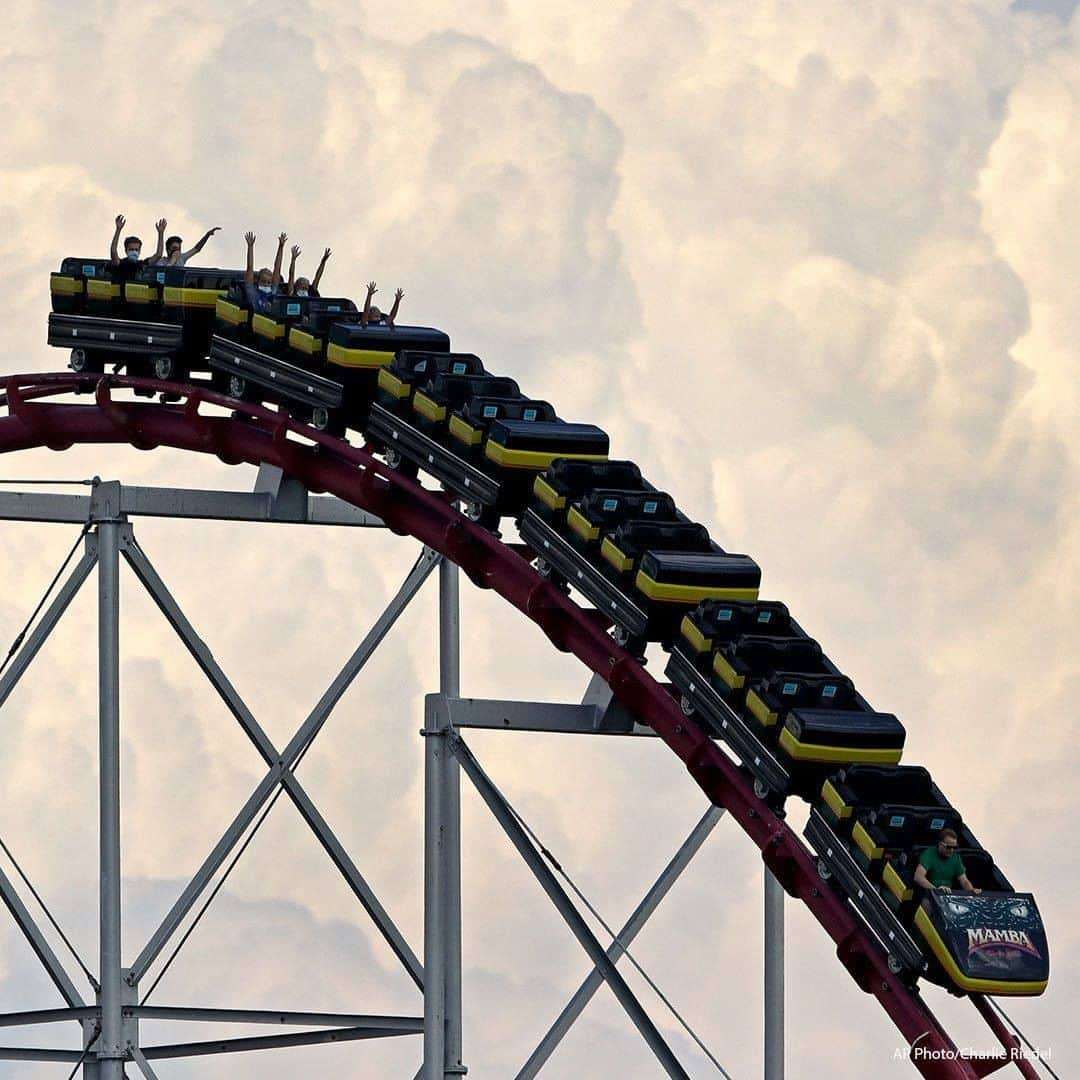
(229,312)
(834,801)
(863,840)
(547,494)
(428,408)
(839,755)
(689,594)
(621,562)
(694,636)
(102,290)
(464,432)
(761,711)
(61,285)
(266,327)
(137,293)
(580,524)
(391,383)
(726,672)
(305,342)
(175,296)
(531,459)
(366,358)
(895,883)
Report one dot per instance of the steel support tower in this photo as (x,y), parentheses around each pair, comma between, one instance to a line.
(116,997)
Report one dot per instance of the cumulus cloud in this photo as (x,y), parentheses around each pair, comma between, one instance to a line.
(814,271)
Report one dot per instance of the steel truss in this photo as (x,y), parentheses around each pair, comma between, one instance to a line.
(110,1025)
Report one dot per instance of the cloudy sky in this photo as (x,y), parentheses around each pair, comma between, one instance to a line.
(812,264)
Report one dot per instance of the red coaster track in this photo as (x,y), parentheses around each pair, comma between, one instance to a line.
(255,435)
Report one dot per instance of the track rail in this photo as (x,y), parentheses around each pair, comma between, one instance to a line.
(254,435)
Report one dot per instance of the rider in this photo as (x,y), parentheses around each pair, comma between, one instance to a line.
(260,287)
(174,256)
(940,867)
(124,269)
(301,286)
(371,315)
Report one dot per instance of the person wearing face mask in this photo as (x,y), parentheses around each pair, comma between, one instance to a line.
(260,287)
(302,286)
(124,269)
(372,316)
(174,256)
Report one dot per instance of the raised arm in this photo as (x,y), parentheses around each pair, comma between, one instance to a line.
(160,226)
(318,273)
(295,251)
(397,303)
(364,315)
(114,254)
(202,243)
(277,258)
(249,273)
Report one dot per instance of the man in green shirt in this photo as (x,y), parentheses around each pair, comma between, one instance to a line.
(939,867)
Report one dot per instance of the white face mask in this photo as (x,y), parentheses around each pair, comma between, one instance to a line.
(301,292)
(265,288)
(133,255)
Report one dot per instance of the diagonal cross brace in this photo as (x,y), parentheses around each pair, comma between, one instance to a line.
(505,816)
(576,1006)
(22,659)
(37,941)
(280,764)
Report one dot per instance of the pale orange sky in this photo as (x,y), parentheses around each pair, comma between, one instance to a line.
(814,268)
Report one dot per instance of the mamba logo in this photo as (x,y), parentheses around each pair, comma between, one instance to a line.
(989,939)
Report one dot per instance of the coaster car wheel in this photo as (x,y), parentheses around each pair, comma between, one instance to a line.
(401,464)
(82,362)
(238,387)
(167,368)
(630,642)
(549,573)
(328,420)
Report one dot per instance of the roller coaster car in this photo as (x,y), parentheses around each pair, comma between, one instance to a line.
(903,895)
(67,286)
(851,790)
(566,480)
(471,422)
(411,368)
(886,828)
(519,449)
(992,943)
(334,392)
(418,394)
(713,622)
(674,565)
(88,318)
(435,401)
(158,322)
(603,509)
(295,326)
(822,720)
(309,337)
(741,659)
